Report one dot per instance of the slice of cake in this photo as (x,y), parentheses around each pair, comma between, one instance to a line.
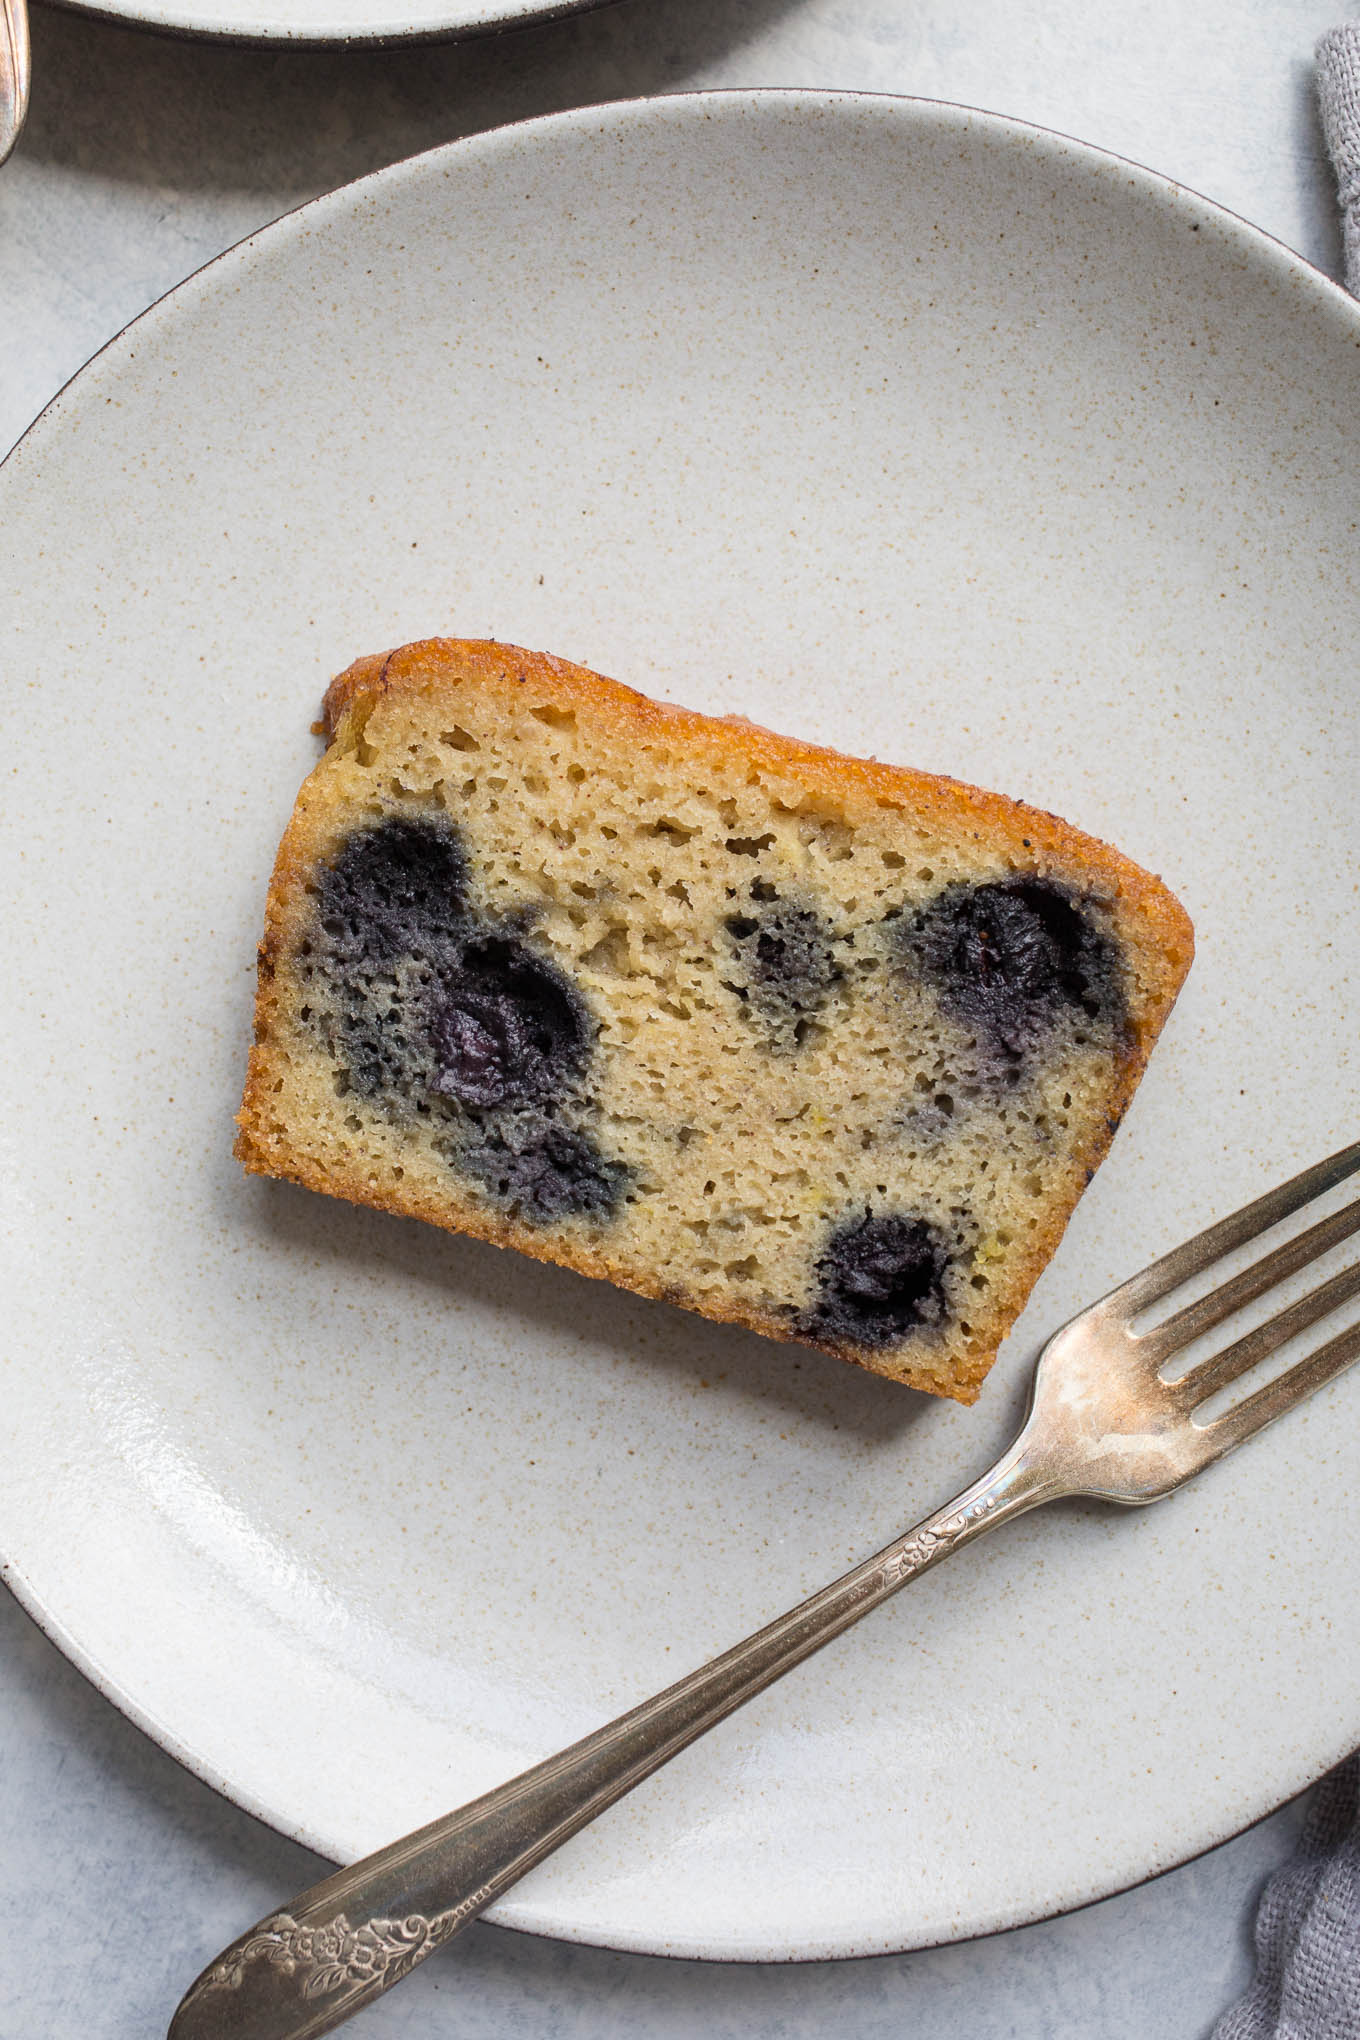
(818,1046)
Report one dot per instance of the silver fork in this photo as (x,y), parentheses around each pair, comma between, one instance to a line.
(1102,1421)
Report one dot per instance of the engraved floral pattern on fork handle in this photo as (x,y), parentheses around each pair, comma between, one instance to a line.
(337,1956)
(933,1540)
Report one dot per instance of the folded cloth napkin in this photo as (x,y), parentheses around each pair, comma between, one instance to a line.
(1307,1983)
(1338,81)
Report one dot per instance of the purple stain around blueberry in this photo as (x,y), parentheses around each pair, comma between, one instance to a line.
(392,887)
(784,953)
(390,912)
(880,1277)
(543,1172)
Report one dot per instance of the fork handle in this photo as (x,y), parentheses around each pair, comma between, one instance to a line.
(301,1972)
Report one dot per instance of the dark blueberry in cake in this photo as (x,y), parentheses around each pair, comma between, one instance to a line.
(508,1026)
(393,889)
(784,954)
(545,1173)
(880,1277)
(1010,958)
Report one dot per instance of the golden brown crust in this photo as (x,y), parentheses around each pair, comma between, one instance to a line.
(435,667)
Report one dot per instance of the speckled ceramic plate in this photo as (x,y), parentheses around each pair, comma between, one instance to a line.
(904,427)
(326,22)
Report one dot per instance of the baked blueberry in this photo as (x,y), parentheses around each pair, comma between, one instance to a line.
(1010,958)
(507,1026)
(880,1277)
(546,1172)
(784,952)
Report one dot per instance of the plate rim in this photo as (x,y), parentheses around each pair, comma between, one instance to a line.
(1286,262)
(1287,258)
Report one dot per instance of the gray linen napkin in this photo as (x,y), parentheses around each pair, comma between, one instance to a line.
(1307,1983)
(1338,81)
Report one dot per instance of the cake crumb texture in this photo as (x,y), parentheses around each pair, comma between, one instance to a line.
(815,1045)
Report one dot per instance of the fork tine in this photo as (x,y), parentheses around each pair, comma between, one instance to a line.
(1254,1412)
(1233,1361)
(1177,1331)
(1197,1254)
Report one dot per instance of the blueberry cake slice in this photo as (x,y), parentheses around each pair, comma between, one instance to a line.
(814,1045)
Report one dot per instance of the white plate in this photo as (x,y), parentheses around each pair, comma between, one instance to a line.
(903,427)
(312,22)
